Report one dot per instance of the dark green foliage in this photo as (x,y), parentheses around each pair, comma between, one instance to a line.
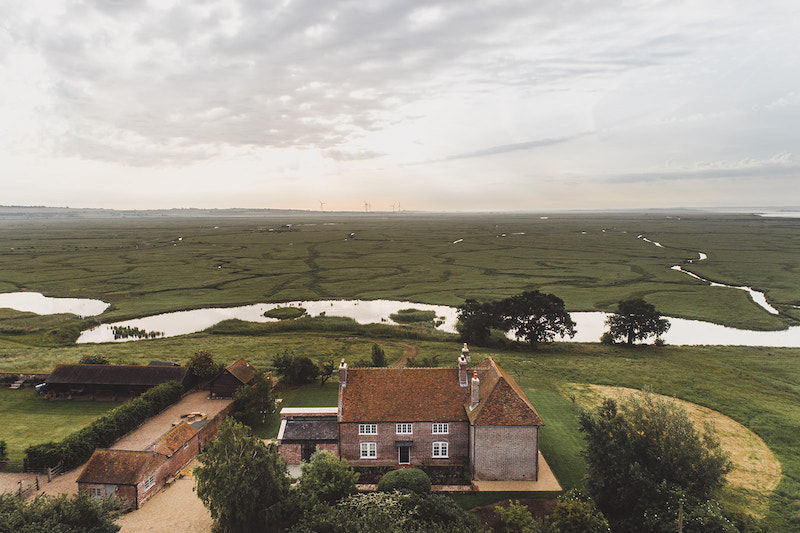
(378,356)
(57,514)
(475,320)
(254,402)
(405,479)
(3,451)
(240,479)
(295,369)
(607,338)
(392,512)
(517,518)
(202,365)
(326,369)
(285,313)
(636,320)
(410,316)
(93,359)
(327,479)
(646,456)
(427,361)
(577,513)
(77,447)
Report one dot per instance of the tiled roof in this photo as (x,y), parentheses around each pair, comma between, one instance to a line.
(174,439)
(434,395)
(241,370)
(120,467)
(502,401)
(116,374)
(403,395)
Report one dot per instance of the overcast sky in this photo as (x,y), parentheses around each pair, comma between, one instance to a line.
(451,105)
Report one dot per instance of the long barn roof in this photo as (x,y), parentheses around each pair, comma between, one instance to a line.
(116,375)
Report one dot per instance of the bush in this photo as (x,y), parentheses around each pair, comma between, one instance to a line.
(93,359)
(3,451)
(58,514)
(78,446)
(378,356)
(409,316)
(285,313)
(607,338)
(427,361)
(202,365)
(254,401)
(295,369)
(405,479)
(327,479)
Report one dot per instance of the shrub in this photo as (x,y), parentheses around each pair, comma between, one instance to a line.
(427,361)
(58,514)
(254,401)
(327,479)
(93,359)
(405,479)
(285,313)
(78,446)
(607,338)
(295,369)
(378,356)
(3,451)
(202,365)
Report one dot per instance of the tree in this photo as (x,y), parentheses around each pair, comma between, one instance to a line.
(645,456)
(378,356)
(202,365)
(93,359)
(58,514)
(240,479)
(475,320)
(254,401)
(636,320)
(576,513)
(3,451)
(295,369)
(536,317)
(517,518)
(327,479)
(326,371)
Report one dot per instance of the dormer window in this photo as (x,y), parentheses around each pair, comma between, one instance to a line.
(405,428)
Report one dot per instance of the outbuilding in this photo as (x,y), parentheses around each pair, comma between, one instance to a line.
(238,373)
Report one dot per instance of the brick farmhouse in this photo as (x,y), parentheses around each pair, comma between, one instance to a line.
(475,416)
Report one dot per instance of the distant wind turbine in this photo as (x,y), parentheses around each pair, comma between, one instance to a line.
(321,205)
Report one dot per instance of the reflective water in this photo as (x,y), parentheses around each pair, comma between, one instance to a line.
(35,302)
(757,296)
(590,325)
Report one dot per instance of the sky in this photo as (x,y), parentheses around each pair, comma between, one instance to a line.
(455,105)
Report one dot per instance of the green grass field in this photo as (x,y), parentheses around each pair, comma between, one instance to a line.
(146,266)
(27,418)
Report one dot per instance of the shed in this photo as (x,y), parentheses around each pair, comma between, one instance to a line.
(112,381)
(238,373)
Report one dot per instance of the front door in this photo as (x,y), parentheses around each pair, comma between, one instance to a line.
(404,455)
(306,450)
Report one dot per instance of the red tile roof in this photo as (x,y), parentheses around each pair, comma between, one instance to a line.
(120,467)
(434,395)
(241,370)
(174,439)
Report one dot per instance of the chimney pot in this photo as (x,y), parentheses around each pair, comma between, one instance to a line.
(475,392)
(343,374)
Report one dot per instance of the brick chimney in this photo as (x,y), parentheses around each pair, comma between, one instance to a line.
(475,392)
(343,374)
(465,352)
(463,370)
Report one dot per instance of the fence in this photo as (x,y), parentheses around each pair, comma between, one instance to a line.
(50,472)
(24,491)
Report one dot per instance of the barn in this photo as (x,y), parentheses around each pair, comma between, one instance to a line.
(238,373)
(111,382)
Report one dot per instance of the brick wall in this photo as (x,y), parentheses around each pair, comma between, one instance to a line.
(505,452)
(332,448)
(291,453)
(421,449)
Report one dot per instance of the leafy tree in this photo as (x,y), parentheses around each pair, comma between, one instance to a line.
(536,316)
(327,479)
(93,359)
(202,365)
(58,514)
(254,401)
(412,479)
(645,456)
(475,320)
(326,371)
(240,479)
(576,513)
(378,356)
(295,369)
(636,320)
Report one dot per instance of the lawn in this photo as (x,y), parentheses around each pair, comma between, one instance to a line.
(27,418)
(314,395)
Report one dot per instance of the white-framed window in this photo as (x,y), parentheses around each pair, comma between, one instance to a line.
(369,450)
(440,449)
(440,428)
(405,428)
(368,429)
(149,482)
(95,492)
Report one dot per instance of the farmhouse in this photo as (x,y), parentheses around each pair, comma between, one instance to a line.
(432,417)
(111,381)
(238,373)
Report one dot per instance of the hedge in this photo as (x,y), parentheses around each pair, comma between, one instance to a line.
(78,446)
(412,479)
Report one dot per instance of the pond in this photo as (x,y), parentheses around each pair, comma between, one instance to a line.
(40,304)
(590,324)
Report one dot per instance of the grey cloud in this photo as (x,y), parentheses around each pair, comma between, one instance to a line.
(493,150)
